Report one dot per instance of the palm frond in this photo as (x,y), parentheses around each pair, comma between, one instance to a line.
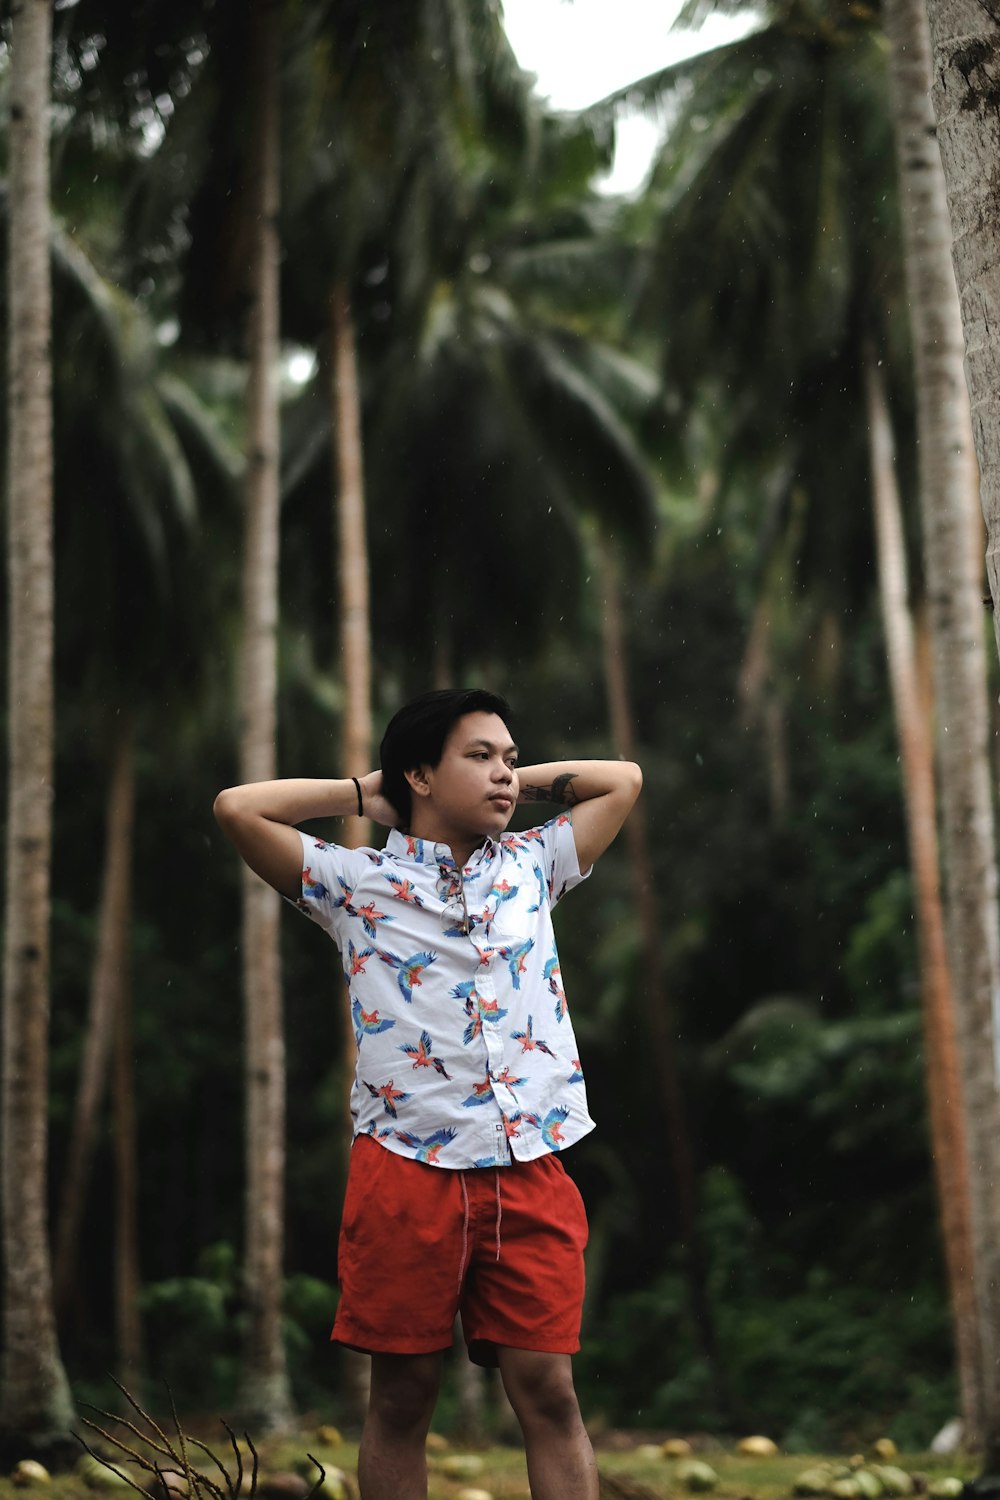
(607,468)
(198,431)
(694,13)
(655,92)
(572,275)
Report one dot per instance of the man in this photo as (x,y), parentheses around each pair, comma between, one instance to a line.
(468,1080)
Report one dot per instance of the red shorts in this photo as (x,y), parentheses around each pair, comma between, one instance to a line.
(501,1245)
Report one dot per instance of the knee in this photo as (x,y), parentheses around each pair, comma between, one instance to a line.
(543,1394)
(403,1399)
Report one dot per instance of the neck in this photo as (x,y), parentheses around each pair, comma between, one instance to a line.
(461,845)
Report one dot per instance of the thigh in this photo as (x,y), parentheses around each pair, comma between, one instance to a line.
(527,1282)
(400,1253)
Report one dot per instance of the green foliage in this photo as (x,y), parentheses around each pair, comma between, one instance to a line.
(195,1325)
(879,957)
(822,1363)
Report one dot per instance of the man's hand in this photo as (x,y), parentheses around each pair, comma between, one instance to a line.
(376,805)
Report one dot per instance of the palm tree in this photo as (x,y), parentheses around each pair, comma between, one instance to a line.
(116,912)
(963,50)
(266,1395)
(35,1402)
(108,1035)
(354,638)
(953,566)
(941,1063)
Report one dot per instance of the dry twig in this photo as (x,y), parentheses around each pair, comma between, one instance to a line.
(174,1449)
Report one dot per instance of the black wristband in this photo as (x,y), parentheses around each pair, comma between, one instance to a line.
(357,788)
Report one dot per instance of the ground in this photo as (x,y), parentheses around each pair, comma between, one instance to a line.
(623,1458)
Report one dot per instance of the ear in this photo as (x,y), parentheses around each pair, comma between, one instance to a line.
(418,783)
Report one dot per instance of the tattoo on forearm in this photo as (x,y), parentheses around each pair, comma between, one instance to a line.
(560,791)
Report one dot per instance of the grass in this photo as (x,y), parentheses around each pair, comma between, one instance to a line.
(504,1475)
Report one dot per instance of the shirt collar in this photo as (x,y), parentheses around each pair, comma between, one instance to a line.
(404,846)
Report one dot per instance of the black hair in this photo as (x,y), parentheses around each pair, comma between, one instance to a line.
(415,736)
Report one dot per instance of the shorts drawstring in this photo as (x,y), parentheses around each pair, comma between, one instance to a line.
(465,1222)
(465,1230)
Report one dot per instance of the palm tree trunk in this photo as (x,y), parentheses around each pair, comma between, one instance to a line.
(356,673)
(35,1403)
(963,92)
(264,1397)
(355,631)
(954,586)
(353,625)
(109,1021)
(128,1325)
(944,1091)
(107,977)
(762,705)
(660,1022)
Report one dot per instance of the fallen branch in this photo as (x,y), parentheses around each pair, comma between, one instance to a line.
(171,1455)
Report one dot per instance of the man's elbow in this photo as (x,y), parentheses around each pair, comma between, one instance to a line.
(632,779)
(226,807)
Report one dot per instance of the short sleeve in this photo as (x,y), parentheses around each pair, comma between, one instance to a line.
(329,874)
(558,847)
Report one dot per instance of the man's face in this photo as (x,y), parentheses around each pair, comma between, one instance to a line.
(473,788)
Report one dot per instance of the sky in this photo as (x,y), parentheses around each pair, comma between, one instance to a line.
(580,50)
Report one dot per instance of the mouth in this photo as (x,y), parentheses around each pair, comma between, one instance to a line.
(502,800)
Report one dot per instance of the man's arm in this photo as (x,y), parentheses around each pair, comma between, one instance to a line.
(260,820)
(600,792)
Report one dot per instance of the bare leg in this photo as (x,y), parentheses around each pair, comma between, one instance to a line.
(392,1459)
(560,1459)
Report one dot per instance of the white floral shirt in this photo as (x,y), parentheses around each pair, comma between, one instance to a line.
(466,1053)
